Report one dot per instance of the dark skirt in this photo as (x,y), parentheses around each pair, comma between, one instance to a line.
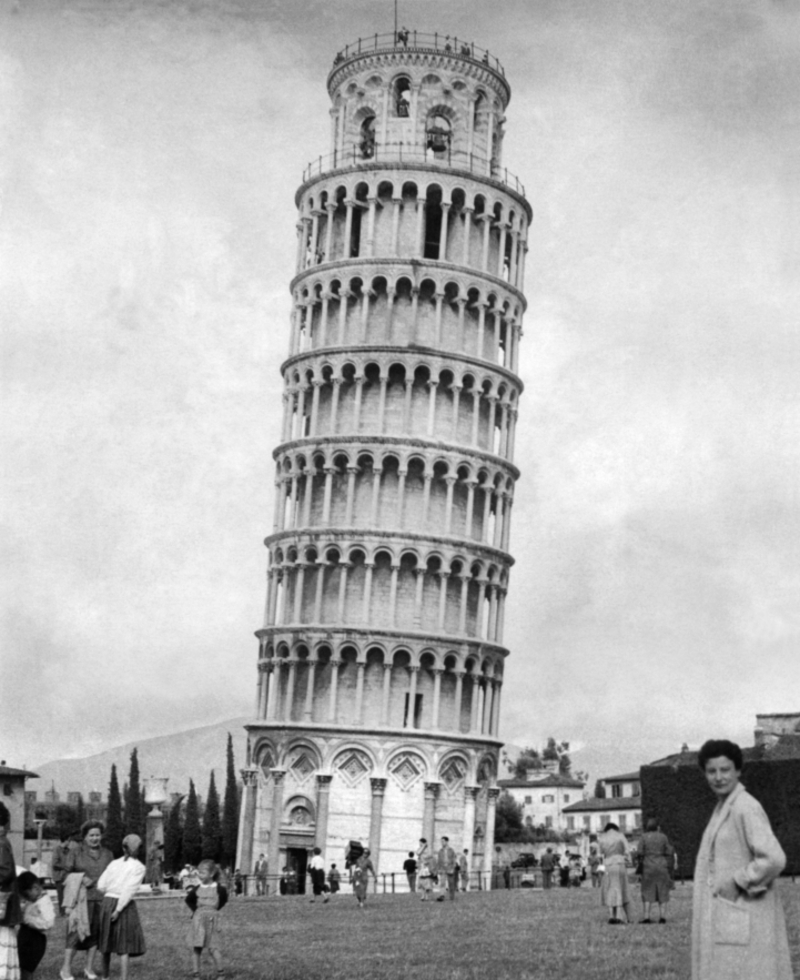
(93,914)
(123,937)
(31,945)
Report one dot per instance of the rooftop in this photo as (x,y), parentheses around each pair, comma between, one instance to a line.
(627,777)
(10,771)
(549,781)
(609,803)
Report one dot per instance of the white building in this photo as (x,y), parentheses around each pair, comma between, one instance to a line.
(621,805)
(543,797)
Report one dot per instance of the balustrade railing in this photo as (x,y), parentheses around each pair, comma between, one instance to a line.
(385,154)
(405,40)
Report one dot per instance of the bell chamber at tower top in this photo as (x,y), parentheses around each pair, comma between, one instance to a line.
(415,102)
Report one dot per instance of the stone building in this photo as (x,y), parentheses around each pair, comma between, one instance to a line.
(381,657)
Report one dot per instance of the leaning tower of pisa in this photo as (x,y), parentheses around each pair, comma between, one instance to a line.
(381,657)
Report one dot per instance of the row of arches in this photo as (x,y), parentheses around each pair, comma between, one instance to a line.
(324,585)
(345,311)
(336,399)
(394,492)
(442,220)
(367,687)
(305,759)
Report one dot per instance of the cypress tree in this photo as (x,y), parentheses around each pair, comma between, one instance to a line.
(230,811)
(192,841)
(114,831)
(212,829)
(173,832)
(134,817)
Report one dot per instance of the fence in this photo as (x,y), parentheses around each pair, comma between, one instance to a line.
(405,40)
(409,153)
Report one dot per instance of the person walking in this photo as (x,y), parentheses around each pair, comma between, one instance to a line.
(410,868)
(316,869)
(360,871)
(738,922)
(446,865)
(654,857)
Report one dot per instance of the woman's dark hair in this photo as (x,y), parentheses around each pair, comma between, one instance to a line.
(652,824)
(5,816)
(610,826)
(716,747)
(91,825)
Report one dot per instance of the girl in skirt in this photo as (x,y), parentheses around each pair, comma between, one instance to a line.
(120,930)
(205,900)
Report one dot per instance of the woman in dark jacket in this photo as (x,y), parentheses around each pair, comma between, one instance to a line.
(11,915)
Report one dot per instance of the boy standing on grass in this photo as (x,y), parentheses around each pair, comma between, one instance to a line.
(38,917)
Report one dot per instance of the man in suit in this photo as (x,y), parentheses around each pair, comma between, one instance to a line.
(446,865)
(260,871)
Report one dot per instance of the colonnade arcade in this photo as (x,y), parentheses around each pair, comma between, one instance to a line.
(344,487)
(343,308)
(446,220)
(388,397)
(366,684)
(329,585)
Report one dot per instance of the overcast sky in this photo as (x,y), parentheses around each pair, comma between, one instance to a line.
(149,155)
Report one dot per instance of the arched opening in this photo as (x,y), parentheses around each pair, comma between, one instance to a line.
(367,138)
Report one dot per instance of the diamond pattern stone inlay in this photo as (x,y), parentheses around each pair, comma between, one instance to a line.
(406,769)
(354,766)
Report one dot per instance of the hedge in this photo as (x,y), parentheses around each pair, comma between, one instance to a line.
(679,798)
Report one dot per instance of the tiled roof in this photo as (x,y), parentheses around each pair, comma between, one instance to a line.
(10,771)
(610,803)
(628,777)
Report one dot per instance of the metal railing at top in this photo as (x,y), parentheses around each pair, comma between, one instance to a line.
(386,154)
(405,40)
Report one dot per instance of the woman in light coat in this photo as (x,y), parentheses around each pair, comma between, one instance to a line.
(614,887)
(738,923)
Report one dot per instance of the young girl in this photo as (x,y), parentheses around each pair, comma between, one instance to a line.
(38,916)
(120,930)
(205,900)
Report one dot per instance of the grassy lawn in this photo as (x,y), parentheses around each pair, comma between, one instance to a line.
(562,934)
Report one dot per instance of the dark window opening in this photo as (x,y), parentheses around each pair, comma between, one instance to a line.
(433,229)
(367,145)
(355,233)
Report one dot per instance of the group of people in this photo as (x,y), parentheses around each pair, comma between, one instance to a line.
(437,872)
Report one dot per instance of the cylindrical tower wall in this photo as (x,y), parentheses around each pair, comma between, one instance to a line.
(380,662)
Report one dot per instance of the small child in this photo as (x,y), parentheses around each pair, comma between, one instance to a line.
(334,879)
(205,900)
(427,871)
(38,915)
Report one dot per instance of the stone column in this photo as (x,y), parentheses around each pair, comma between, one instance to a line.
(446,205)
(419,574)
(334,690)
(401,490)
(462,611)
(323,808)
(432,386)
(321,565)
(315,405)
(369,565)
(437,695)
(274,682)
(448,512)
(470,795)
(398,203)
(330,208)
(308,710)
(412,694)
(387,685)
(274,850)
(360,668)
(393,595)
(299,585)
(247,813)
(476,416)
(473,710)
(488,853)
(443,577)
(352,472)
(287,705)
(429,814)
(467,212)
(459,697)
(376,492)
(337,384)
(376,819)
(383,382)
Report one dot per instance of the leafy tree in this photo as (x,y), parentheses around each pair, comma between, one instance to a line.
(230,811)
(508,820)
(531,759)
(212,828)
(173,834)
(134,811)
(528,759)
(192,848)
(600,790)
(66,820)
(80,811)
(114,830)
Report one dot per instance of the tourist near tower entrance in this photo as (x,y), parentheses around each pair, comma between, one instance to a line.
(381,657)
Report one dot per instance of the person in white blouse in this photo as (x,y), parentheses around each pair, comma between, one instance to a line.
(120,929)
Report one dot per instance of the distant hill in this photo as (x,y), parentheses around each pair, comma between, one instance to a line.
(181,756)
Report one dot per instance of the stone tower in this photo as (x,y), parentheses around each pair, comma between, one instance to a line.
(381,657)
